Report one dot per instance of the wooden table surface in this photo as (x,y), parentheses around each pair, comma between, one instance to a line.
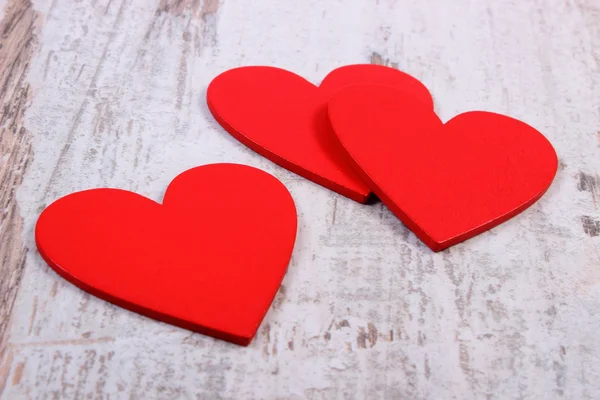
(111,93)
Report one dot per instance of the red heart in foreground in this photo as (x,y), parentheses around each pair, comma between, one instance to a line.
(209,259)
(283,117)
(446,182)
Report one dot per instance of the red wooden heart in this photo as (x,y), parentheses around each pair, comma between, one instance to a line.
(283,117)
(446,182)
(209,259)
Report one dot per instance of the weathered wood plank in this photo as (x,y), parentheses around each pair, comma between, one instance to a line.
(116,93)
(18,27)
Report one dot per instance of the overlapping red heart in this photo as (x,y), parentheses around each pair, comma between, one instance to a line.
(370,128)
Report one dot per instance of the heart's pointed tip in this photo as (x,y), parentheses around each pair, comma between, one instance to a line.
(245,341)
(368,198)
(434,245)
(359,196)
(239,336)
(437,247)
(239,340)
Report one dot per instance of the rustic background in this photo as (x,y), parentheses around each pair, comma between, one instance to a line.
(111,93)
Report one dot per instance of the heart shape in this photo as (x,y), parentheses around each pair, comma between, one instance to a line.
(209,259)
(283,117)
(446,182)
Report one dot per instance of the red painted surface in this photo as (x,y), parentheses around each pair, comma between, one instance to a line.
(209,259)
(446,182)
(283,117)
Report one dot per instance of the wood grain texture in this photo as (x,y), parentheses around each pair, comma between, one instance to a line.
(17,27)
(116,98)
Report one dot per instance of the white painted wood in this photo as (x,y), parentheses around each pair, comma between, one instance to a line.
(366,310)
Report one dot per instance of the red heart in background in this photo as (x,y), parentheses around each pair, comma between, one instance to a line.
(446,182)
(283,117)
(209,259)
